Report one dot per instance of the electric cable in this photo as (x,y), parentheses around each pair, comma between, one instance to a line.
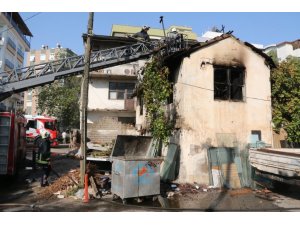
(23,20)
(207,89)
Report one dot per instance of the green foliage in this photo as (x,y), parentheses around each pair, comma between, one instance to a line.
(285,80)
(62,101)
(273,55)
(156,90)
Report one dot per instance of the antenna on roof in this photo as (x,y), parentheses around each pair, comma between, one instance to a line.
(161,20)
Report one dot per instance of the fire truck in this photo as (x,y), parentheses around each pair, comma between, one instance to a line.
(12,142)
(35,124)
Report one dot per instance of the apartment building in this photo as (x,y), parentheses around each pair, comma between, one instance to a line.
(43,55)
(14,42)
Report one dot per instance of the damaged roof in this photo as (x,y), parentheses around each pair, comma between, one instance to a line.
(207,43)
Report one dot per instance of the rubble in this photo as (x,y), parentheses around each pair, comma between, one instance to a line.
(266,194)
(63,184)
(68,185)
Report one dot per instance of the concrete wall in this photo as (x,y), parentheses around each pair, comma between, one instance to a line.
(206,122)
(107,118)
(296,52)
(284,51)
(99,85)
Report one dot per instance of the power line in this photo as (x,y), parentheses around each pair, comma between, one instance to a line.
(207,89)
(23,20)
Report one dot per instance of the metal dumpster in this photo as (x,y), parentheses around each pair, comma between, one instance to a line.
(134,174)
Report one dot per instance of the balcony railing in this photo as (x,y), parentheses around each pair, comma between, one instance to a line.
(8,16)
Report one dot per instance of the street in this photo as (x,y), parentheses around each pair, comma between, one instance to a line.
(23,193)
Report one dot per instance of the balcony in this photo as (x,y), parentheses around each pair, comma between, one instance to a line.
(7,15)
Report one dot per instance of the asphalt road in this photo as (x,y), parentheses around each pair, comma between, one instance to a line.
(19,194)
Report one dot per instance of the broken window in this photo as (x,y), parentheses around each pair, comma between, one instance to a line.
(229,83)
(119,90)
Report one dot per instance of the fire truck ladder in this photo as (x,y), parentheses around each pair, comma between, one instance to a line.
(21,79)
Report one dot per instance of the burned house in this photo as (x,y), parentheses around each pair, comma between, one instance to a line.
(111,107)
(222,100)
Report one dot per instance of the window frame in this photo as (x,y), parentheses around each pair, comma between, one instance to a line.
(119,90)
(229,83)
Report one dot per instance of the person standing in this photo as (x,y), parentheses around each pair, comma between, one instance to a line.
(143,33)
(175,39)
(44,154)
(64,137)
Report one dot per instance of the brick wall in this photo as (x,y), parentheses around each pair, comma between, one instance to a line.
(106,128)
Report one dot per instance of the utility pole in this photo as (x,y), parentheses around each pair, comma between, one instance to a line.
(84,97)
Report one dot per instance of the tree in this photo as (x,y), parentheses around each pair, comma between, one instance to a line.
(273,55)
(61,99)
(285,81)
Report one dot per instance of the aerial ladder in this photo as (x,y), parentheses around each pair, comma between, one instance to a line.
(22,79)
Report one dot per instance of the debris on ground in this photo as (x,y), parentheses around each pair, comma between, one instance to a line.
(242,191)
(68,185)
(65,184)
(266,194)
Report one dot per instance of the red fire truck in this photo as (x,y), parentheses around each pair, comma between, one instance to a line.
(35,124)
(12,142)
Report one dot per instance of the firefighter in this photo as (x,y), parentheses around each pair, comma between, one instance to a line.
(175,38)
(44,157)
(143,33)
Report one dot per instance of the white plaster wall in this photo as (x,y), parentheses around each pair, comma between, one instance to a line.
(206,122)
(99,87)
(284,51)
(296,52)
(98,96)
(126,69)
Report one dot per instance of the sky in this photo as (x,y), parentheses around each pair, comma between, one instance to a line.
(66,28)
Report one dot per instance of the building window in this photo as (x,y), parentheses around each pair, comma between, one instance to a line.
(32,58)
(43,57)
(229,83)
(255,136)
(119,90)
(20,52)
(52,56)
(127,120)
(11,43)
(9,64)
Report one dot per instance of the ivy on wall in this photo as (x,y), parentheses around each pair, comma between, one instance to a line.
(156,90)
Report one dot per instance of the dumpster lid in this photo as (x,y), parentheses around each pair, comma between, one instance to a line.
(131,146)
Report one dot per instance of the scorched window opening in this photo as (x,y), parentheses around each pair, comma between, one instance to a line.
(229,83)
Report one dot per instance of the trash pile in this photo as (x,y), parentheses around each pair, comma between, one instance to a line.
(63,186)
(68,185)
(97,154)
(183,189)
(97,150)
